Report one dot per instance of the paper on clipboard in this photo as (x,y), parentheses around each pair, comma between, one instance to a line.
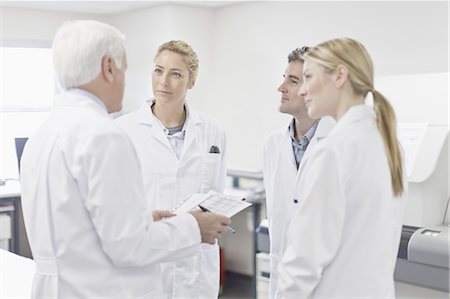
(215,202)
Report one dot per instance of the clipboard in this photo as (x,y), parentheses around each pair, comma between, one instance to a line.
(215,202)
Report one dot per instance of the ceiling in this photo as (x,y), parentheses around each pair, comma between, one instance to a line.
(105,7)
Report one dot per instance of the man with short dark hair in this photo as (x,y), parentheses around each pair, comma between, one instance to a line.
(283,153)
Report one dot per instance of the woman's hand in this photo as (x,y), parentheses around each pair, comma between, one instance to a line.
(161,214)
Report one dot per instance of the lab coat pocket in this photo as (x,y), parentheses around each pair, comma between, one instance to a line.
(209,278)
(210,171)
(186,277)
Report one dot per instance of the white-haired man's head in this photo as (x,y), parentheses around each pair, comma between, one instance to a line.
(78,50)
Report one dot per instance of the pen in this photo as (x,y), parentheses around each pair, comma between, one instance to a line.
(230,229)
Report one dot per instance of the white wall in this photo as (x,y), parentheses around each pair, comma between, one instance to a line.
(252,41)
(242,50)
(418,97)
(149,28)
(145,29)
(24,25)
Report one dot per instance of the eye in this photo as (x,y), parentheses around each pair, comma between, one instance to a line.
(306,76)
(176,74)
(295,82)
(158,71)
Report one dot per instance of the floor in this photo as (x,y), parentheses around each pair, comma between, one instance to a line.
(237,286)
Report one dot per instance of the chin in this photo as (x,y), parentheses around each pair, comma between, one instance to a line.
(116,109)
(313,114)
(283,109)
(162,99)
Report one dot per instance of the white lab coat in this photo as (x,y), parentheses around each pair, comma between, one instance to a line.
(168,180)
(90,228)
(280,176)
(343,239)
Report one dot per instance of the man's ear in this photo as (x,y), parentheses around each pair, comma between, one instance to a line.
(341,74)
(107,68)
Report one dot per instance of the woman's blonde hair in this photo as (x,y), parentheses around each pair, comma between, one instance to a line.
(352,54)
(186,51)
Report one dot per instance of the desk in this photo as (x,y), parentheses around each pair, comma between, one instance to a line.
(10,204)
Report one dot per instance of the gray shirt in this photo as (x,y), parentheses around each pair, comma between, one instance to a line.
(175,135)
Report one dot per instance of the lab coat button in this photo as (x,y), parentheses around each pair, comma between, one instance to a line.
(295,200)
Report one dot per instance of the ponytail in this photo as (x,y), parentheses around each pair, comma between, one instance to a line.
(387,126)
(352,54)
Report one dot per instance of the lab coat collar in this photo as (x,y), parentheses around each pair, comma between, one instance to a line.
(192,127)
(307,137)
(354,114)
(286,148)
(286,128)
(326,124)
(147,117)
(80,97)
(323,128)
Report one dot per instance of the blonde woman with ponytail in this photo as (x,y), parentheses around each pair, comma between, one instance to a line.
(343,239)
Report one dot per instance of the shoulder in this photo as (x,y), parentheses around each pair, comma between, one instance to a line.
(209,123)
(127,119)
(98,134)
(93,124)
(276,136)
(108,128)
(207,120)
(350,143)
(325,125)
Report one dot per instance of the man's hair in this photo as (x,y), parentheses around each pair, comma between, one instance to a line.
(79,47)
(298,54)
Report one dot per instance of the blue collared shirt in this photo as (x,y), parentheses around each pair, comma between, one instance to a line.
(299,148)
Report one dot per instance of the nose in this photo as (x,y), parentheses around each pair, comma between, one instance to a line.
(282,87)
(302,90)
(163,80)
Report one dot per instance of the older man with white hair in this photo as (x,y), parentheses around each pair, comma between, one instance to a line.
(91,232)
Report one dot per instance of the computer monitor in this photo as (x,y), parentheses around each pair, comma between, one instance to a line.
(20,143)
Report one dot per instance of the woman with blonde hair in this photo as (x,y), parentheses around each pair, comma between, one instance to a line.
(181,152)
(344,237)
